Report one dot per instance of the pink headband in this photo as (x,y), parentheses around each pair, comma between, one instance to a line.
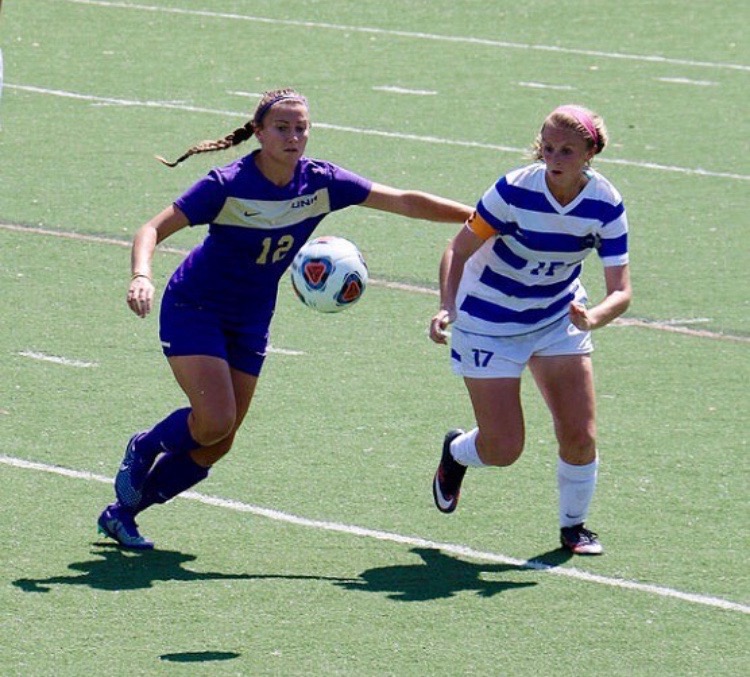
(582,117)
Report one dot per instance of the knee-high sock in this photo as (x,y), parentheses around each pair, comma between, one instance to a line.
(171,435)
(576,484)
(171,475)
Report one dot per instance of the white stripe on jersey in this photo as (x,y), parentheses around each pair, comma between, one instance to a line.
(270,214)
(525,277)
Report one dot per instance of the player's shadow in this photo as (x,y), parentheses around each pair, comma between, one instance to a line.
(115,569)
(438,576)
(549,560)
(199,656)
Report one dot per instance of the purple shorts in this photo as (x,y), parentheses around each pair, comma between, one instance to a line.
(187,329)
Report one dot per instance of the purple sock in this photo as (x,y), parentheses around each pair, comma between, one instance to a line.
(172,474)
(172,435)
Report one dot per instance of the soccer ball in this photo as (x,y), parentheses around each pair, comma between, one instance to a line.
(329,274)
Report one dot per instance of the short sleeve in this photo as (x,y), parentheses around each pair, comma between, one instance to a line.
(347,188)
(203,201)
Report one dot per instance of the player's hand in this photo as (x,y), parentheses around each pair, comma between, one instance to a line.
(439,325)
(141,295)
(579,316)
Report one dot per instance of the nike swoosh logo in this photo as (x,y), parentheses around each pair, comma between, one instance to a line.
(251,214)
(442,501)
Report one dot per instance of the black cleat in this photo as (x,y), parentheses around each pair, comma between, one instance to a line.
(580,541)
(446,486)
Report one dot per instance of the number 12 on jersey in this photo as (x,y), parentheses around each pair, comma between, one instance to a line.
(272,254)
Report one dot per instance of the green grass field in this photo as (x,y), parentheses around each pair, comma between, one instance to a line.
(314,548)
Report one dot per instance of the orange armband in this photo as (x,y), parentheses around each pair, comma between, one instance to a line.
(480,227)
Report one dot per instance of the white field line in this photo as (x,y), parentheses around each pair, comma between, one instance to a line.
(455,39)
(541,85)
(392,89)
(452,548)
(697,171)
(667,325)
(672,327)
(249,95)
(285,351)
(67,362)
(688,81)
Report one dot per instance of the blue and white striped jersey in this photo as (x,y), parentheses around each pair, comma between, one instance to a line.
(526,274)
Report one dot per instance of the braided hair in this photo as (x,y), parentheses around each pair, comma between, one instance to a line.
(244,132)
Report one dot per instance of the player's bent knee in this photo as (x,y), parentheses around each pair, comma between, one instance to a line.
(502,458)
(213,430)
(207,456)
(499,452)
(581,443)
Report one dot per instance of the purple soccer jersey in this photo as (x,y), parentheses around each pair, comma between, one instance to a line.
(225,290)
(256,228)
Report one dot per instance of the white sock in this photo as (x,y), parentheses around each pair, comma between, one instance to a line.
(464,449)
(576,484)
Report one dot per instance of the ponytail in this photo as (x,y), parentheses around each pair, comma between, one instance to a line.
(236,137)
(241,133)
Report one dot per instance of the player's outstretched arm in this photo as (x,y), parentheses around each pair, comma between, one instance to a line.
(416,204)
(141,290)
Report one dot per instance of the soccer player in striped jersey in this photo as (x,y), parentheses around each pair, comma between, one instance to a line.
(217,307)
(510,285)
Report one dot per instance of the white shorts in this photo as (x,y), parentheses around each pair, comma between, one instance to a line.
(478,356)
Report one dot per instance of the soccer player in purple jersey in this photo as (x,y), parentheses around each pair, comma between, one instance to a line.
(510,284)
(218,304)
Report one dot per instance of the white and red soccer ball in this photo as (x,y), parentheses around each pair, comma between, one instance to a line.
(329,274)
